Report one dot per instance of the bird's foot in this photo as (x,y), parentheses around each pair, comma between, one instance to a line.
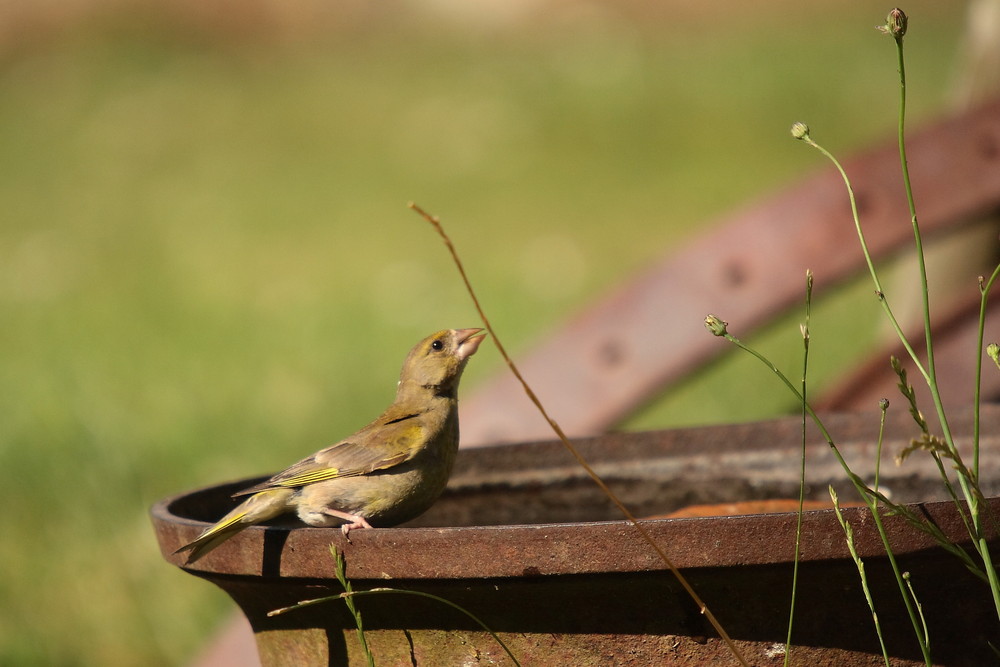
(353,521)
(359,522)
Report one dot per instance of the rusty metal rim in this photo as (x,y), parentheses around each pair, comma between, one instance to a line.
(545,549)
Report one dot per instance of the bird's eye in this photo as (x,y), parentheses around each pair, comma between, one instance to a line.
(437,345)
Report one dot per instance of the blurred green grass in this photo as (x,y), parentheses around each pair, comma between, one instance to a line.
(207,268)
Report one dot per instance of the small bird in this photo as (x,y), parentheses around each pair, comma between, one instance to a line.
(388,472)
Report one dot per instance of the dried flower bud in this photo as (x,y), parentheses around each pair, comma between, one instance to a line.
(800,130)
(716,325)
(994,351)
(883,404)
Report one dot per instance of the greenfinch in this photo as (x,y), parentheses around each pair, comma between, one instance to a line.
(389,472)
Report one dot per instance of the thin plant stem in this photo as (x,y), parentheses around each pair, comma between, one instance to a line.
(931,371)
(950,488)
(348,595)
(883,408)
(984,290)
(339,569)
(717,326)
(802,469)
(920,607)
(849,536)
(879,292)
(702,607)
(971,495)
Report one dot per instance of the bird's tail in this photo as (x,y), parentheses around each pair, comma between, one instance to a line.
(256,509)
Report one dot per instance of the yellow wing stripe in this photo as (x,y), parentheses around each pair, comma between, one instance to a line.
(324,474)
(314,476)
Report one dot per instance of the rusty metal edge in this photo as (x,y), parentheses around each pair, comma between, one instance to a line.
(562,548)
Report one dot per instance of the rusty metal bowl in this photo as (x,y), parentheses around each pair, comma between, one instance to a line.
(524,540)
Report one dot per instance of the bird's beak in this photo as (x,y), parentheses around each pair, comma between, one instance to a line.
(468,342)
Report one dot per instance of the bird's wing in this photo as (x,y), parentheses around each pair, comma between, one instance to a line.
(385,443)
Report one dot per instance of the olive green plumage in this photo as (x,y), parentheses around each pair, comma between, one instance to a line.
(389,472)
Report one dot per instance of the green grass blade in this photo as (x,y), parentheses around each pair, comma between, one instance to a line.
(339,568)
(849,535)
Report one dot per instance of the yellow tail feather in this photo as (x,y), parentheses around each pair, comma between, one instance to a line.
(255,509)
(214,536)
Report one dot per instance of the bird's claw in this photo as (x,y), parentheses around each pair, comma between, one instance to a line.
(358,522)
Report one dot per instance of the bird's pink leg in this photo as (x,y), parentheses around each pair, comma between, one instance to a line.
(354,521)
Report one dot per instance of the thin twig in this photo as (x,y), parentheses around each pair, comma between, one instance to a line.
(433,220)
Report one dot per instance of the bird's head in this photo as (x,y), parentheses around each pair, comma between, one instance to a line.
(437,361)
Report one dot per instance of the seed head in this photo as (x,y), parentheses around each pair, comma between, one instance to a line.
(895,24)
